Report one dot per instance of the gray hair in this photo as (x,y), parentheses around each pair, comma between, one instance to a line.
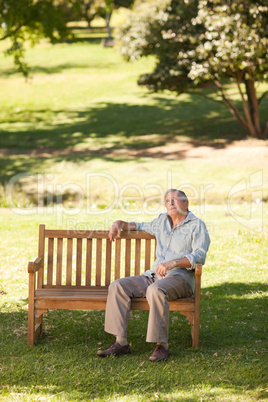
(182,193)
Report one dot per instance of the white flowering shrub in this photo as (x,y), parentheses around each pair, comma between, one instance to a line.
(203,43)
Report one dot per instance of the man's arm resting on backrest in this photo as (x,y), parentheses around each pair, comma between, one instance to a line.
(118,226)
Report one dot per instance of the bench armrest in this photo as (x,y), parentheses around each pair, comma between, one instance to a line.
(34,266)
(198,273)
(198,269)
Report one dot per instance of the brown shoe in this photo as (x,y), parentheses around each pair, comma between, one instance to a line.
(114,349)
(160,353)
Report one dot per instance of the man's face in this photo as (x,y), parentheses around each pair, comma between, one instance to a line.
(175,205)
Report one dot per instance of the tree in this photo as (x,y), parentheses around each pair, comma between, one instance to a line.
(30,20)
(87,10)
(204,44)
(110,6)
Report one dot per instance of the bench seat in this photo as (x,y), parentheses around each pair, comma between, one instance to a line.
(93,298)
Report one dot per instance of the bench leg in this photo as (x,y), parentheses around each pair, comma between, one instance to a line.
(31,326)
(39,323)
(195,330)
(31,321)
(194,327)
(30,331)
(35,325)
(39,320)
(195,335)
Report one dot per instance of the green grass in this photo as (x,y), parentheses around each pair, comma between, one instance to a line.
(93,111)
(229,365)
(81,115)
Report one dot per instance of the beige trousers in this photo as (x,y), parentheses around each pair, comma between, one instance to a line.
(158,294)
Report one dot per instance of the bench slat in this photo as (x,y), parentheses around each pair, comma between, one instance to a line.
(78,261)
(67,288)
(73,292)
(137,256)
(59,261)
(41,252)
(50,261)
(69,261)
(127,257)
(108,262)
(98,261)
(147,254)
(117,259)
(96,234)
(88,261)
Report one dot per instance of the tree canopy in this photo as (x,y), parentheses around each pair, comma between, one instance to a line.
(23,21)
(205,43)
(30,20)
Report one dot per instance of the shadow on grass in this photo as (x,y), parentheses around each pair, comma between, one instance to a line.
(108,128)
(59,68)
(81,36)
(230,360)
(131,124)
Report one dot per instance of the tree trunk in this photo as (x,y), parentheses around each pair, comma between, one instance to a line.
(108,19)
(231,106)
(250,125)
(265,131)
(253,107)
(251,119)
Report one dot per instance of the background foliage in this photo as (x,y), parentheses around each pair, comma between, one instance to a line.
(204,44)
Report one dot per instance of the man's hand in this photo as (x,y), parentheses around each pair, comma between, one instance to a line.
(117,226)
(115,230)
(166,266)
(163,268)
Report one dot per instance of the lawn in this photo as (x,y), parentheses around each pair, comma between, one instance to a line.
(230,364)
(81,145)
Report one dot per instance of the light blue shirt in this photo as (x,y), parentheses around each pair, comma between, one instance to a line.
(188,239)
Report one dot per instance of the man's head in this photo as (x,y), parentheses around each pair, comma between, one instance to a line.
(176,202)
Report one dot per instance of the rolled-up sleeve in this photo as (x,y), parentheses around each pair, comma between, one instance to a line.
(200,245)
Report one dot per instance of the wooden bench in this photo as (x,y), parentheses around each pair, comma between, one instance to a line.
(74,269)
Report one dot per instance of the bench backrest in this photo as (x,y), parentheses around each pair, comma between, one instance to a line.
(89,258)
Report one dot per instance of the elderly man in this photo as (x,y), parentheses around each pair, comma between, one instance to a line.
(182,241)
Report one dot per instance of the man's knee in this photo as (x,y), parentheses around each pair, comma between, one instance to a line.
(154,293)
(113,287)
